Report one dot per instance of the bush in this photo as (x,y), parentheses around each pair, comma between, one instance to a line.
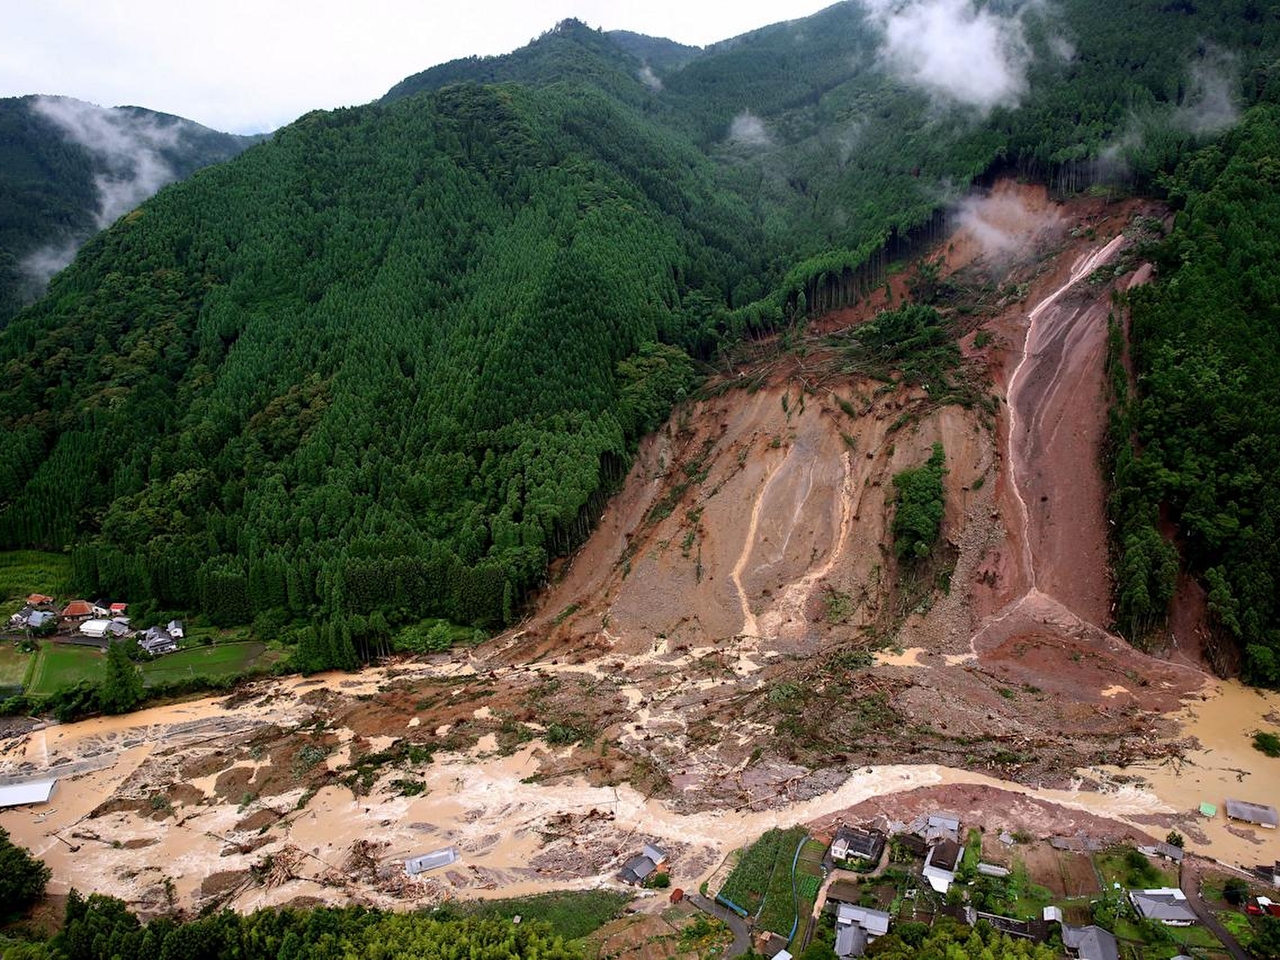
(1235,891)
(657,881)
(1268,743)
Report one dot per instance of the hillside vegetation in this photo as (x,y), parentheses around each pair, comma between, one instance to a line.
(389,364)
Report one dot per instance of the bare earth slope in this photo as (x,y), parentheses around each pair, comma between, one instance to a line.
(734,648)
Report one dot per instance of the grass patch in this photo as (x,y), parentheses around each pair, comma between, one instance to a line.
(757,876)
(1130,868)
(64,665)
(23,572)
(572,913)
(61,665)
(1237,925)
(221,660)
(13,665)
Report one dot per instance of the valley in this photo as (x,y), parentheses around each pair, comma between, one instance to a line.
(735,647)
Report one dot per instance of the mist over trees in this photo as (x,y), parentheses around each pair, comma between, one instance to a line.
(387,365)
(69,168)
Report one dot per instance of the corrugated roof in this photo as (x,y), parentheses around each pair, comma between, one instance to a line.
(1252,812)
(20,794)
(874,922)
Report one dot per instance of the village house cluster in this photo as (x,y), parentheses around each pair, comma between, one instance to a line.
(94,623)
(935,841)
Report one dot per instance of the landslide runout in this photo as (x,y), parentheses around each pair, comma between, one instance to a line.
(709,641)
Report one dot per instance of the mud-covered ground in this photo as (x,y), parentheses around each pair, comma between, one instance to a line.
(734,648)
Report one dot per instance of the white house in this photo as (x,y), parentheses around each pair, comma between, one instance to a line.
(95,628)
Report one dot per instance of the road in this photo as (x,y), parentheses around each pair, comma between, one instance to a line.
(1190,883)
(741,933)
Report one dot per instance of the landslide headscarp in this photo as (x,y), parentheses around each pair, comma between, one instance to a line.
(745,574)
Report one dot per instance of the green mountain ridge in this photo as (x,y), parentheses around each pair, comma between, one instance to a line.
(388,364)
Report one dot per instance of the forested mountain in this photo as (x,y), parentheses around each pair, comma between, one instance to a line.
(388,364)
(1202,438)
(69,168)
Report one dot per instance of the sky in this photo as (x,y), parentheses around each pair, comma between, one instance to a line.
(249,66)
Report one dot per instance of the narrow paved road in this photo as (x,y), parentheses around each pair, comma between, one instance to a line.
(1190,884)
(741,934)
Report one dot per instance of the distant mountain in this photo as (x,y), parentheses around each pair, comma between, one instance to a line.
(69,168)
(658,53)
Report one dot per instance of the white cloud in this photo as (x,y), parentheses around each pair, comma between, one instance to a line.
(749,129)
(957,53)
(649,78)
(1210,103)
(128,148)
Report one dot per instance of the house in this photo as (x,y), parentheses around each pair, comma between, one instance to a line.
(636,870)
(1090,943)
(1258,906)
(102,608)
(941,864)
(843,891)
(118,628)
(156,641)
(77,610)
(176,630)
(22,617)
(1166,850)
(992,870)
(1254,813)
(912,844)
(856,927)
(851,843)
(851,941)
(1170,852)
(95,628)
(118,609)
(431,861)
(937,826)
(39,619)
(1275,874)
(1167,905)
(39,600)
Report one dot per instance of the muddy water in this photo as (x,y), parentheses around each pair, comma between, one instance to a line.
(1224,765)
(488,808)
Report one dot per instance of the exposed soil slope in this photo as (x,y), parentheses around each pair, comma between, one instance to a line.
(718,657)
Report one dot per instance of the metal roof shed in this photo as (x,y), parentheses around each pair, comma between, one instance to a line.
(21,794)
(430,861)
(1263,816)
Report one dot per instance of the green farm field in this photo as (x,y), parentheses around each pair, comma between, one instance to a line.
(222,660)
(63,665)
(13,665)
